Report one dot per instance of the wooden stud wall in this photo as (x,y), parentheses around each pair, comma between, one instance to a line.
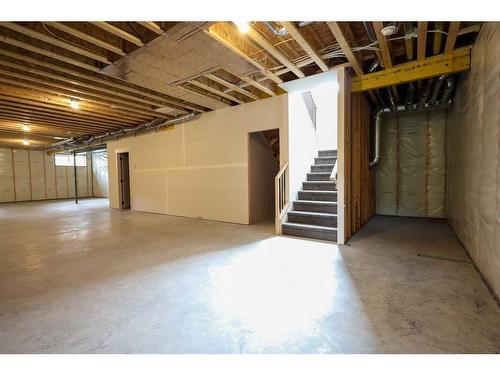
(359,194)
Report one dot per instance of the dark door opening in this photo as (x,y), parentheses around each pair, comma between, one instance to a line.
(263,159)
(124,180)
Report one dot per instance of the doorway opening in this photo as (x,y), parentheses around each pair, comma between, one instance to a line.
(263,161)
(124,180)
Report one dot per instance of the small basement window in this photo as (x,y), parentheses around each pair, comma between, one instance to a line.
(66,160)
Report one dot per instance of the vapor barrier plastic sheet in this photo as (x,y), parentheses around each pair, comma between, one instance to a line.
(410,178)
(473,182)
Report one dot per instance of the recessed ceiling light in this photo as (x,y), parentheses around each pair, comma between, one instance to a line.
(26,128)
(74,104)
(243,26)
(26,142)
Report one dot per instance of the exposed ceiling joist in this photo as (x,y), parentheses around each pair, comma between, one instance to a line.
(154,99)
(305,45)
(88,38)
(118,32)
(458,61)
(232,86)
(215,91)
(382,43)
(151,26)
(452,37)
(54,41)
(339,31)
(218,35)
(421,40)
(40,51)
(273,51)
(259,86)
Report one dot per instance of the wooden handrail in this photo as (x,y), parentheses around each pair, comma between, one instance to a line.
(281,201)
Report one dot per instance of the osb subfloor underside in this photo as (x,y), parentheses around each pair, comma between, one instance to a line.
(89,279)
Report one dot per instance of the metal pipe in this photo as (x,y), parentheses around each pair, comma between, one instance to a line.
(409,95)
(374,65)
(304,23)
(450,85)
(86,141)
(392,101)
(279,31)
(426,93)
(437,89)
(75,177)
(369,31)
(378,122)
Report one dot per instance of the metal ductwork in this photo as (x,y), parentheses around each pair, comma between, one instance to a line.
(392,101)
(426,93)
(450,85)
(304,23)
(87,141)
(369,31)
(436,90)
(276,29)
(378,124)
(410,93)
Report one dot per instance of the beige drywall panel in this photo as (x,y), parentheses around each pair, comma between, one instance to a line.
(410,178)
(149,188)
(37,168)
(204,161)
(473,143)
(22,175)
(81,173)
(263,167)
(7,192)
(216,193)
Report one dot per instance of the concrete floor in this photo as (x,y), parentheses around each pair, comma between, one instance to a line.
(88,279)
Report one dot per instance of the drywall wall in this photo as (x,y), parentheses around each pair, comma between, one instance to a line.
(199,168)
(29,175)
(263,167)
(325,97)
(411,175)
(473,179)
(100,174)
(303,141)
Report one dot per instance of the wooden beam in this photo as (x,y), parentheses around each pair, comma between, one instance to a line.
(118,32)
(273,51)
(470,29)
(154,99)
(98,98)
(458,61)
(339,32)
(215,91)
(421,40)
(258,85)
(98,42)
(304,44)
(236,88)
(215,32)
(40,51)
(86,102)
(151,26)
(54,41)
(382,43)
(452,37)
(52,112)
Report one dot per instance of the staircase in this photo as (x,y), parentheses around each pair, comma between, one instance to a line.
(314,214)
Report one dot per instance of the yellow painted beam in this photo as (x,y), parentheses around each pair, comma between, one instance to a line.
(458,61)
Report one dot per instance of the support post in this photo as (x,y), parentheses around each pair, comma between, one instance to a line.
(76,178)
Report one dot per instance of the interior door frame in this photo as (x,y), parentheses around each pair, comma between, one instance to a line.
(123,188)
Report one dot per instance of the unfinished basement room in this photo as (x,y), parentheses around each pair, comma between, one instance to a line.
(249,187)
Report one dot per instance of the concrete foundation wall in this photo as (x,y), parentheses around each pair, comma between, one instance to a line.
(473,180)
(29,175)
(199,168)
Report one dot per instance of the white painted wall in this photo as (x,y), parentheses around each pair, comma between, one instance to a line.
(100,174)
(27,175)
(199,168)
